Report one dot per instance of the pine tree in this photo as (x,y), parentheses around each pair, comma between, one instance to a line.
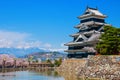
(109,42)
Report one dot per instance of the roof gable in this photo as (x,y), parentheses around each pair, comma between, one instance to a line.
(94,11)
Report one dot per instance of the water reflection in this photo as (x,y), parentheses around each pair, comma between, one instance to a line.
(69,76)
(29,74)
(46,72)
(36,74)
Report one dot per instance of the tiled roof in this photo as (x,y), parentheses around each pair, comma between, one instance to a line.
(95,11)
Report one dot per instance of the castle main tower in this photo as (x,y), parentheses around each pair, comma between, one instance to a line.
(89,30)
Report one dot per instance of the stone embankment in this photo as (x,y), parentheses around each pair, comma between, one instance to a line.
(99,67)
(69,68)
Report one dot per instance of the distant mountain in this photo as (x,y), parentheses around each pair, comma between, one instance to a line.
(48,55)
(19,52)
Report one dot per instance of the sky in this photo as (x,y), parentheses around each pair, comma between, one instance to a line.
(47,24)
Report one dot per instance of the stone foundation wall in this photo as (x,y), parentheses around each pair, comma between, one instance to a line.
(102,67)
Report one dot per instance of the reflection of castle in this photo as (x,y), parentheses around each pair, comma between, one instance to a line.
(90,29)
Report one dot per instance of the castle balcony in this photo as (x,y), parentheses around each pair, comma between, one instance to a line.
(92,32)
(74,51)
(83,43)
(90,23)
(85,49)
(85,33)
(75,47)
(93,19)
(92,15)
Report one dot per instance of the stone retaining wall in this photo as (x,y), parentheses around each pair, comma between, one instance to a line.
(102,67)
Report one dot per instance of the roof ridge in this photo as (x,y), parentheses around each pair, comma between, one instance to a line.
(92,8)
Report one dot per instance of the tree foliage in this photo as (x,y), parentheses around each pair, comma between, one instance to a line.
(50,62)
(58,62)
(30,59)
(109,42)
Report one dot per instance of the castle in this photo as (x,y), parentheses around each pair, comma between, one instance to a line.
(91,27)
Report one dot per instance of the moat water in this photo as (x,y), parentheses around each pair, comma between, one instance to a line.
(30,75)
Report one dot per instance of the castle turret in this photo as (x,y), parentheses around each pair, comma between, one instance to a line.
(90,29)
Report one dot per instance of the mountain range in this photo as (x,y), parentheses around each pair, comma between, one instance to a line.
(23,52)
(47,55)
(19,52)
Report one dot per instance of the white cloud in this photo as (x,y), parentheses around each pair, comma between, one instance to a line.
(47,45)
(10,39)
(17,40)
(14,36)
(59,50)
(30,44)
(63,46)
(62,49)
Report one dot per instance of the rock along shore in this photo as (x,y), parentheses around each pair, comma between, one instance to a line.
(98,67)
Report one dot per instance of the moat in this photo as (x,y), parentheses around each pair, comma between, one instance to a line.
(29,75)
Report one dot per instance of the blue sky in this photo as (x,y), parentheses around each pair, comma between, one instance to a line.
(47,23)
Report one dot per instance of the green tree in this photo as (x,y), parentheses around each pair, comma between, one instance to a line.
(58,62)
(49,61)
(30,59)
(109,43)
(36,61)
